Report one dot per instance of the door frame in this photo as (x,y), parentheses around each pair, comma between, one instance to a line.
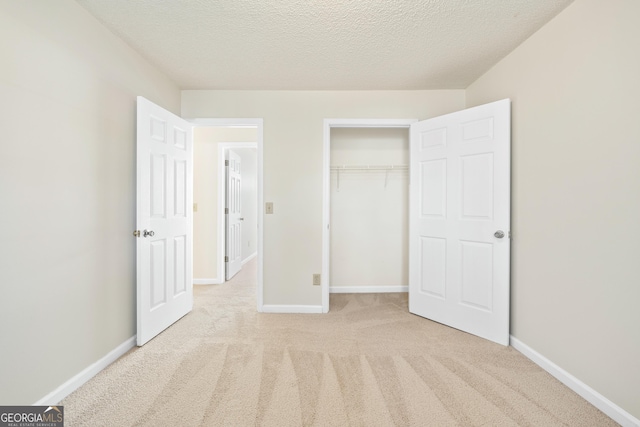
(326,185)
(223,147)
(243,123)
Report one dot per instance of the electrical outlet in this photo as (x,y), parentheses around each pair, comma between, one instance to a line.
(316,280)
(269,208)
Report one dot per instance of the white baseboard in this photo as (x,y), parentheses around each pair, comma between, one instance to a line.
(366,289)
(207,281)
(618,414)
(271,308)
(85,375)
(249,258)
(217,281)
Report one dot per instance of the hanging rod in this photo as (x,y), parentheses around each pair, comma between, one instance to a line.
(386,168)
(369,167)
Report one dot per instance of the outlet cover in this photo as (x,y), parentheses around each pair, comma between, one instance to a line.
(316,280)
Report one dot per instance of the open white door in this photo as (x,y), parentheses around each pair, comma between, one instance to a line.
(459,228)
(233,211)
(164,219)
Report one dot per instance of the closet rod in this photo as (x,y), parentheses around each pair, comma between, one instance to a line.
(369,167)
(385,168)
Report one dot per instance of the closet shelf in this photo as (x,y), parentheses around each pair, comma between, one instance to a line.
(385,168)
(369,167)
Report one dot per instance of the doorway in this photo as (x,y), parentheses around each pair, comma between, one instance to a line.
(369,210)
(326,198)
(210,207)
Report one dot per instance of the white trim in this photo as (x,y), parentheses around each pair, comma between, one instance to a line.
(249,258)
(218,281)
(326,213)
(225,123)
(215,281)
(271,308)
(370,123)
(367,289)
(618,414)
(85,375)
(259,144)
(326,185)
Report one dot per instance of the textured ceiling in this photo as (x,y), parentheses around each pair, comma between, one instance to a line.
(324,44)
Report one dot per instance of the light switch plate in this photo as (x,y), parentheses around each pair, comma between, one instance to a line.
(269,208)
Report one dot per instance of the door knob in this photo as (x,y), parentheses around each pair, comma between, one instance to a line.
(499,234)
(146,233)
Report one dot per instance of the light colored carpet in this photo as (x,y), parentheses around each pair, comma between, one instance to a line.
(366,363)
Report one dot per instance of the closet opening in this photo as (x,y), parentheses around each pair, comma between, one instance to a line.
(366,207)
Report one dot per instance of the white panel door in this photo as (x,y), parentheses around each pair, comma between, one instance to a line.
(164,219)
(459,233)
(233,258)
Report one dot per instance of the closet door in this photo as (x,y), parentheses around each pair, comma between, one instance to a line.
(459,238)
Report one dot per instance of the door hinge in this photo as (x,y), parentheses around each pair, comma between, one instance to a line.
(136,233)
(226,162)
(226,211)
(226,259)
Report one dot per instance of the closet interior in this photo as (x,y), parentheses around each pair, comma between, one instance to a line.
(369,208)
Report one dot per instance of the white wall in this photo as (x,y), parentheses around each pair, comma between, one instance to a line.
(205,195)
(67,185)
(575,87)
(293,132)
(205,198)
(369,209)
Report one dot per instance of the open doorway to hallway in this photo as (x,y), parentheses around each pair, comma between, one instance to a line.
(212,146)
